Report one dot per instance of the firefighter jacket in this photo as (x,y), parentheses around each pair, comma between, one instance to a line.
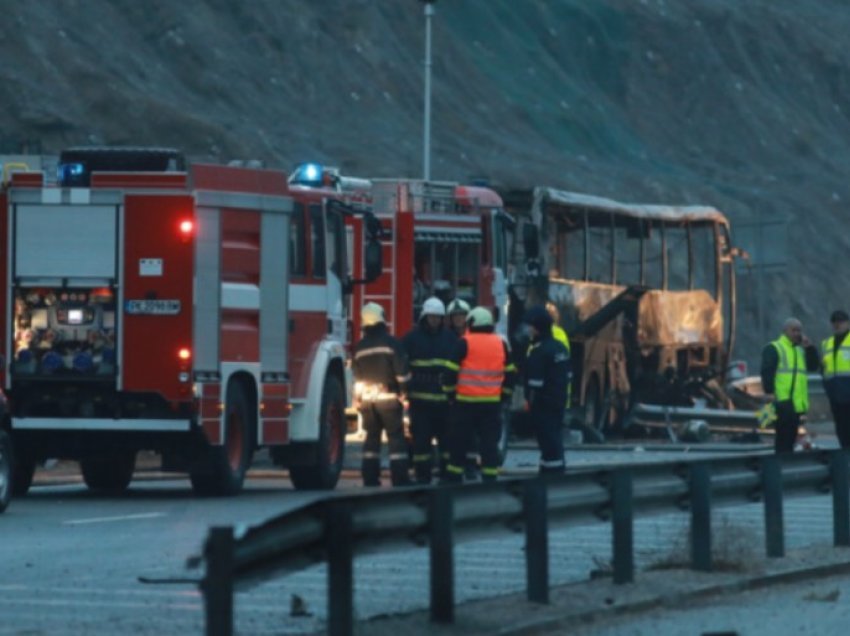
(486,373)
(433,371)
(547,374)
(379,366)
(783,371)
(836,368)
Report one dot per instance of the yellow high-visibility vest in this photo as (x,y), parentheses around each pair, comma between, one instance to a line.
(791,381)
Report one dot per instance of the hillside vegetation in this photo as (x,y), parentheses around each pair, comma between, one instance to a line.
(741,105)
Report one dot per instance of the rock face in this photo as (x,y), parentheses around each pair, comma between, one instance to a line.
(741,105)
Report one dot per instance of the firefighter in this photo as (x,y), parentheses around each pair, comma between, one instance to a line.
(547,379)
(380,375)
(784,364)
(485,378)
(561,336)
(458,310)
(836,374)
(430,348)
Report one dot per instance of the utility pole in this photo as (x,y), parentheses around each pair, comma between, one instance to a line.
(426,145)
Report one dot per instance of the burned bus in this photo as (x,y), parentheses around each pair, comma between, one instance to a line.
(645,292)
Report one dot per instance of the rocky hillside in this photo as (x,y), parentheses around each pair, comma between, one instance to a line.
(743,105)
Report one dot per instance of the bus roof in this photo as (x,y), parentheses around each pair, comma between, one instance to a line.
(544,198)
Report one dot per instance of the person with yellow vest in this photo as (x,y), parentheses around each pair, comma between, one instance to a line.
(485,377)
(784,365)
(836,374)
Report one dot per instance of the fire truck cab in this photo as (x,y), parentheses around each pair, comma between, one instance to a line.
(194,310)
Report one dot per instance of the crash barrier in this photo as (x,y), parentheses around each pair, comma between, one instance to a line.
(337,528)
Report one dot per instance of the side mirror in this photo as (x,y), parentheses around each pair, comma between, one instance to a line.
(373,260)
(530,241)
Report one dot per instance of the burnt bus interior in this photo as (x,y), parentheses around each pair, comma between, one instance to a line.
(646,294)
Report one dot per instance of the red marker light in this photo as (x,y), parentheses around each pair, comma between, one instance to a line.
(185,353)
(187,227)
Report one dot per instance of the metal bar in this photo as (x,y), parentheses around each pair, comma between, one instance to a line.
(700,483)
(338,530)
(217,586)
(440,522)
(840,497)
(771,476)
(536,540)
(621,519)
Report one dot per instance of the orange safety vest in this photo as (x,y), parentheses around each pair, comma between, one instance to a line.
(482,371)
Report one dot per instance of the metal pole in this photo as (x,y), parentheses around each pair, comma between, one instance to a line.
(840,498)
(426,146)
(218,583)
(536,540)
(621,519)
(440,522)
(700,487)
(339,540)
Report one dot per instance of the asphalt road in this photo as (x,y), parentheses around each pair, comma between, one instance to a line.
(72,561)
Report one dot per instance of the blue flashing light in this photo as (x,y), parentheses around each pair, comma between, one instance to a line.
(70,173)
(51,362)
(307,174)
(83,361)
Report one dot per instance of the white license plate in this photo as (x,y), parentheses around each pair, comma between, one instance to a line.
(153,307)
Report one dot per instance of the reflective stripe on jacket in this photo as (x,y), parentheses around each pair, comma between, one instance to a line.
(791,381)
(836,369)
(482,370)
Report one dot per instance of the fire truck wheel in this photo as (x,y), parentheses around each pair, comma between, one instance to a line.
(5,470)
(324,474)
(222,471)
(109,474)
(23,471)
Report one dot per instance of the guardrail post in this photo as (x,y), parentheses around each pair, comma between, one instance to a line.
(771,483)
(840,498)
(536,540)
(440,522)
(700,486)
(621,520)
(339,538)
(218,582)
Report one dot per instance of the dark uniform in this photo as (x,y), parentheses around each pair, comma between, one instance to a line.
(547,380)
(433,375)
(380,373)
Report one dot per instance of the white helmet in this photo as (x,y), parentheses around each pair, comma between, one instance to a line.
(458,306)
(372,314)
(433,307)
(480,317)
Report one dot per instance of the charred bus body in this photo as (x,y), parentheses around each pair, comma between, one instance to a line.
(645,292)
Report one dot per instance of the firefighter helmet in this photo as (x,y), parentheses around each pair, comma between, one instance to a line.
(480,317)
(458,306)
(372,314)
(433,307)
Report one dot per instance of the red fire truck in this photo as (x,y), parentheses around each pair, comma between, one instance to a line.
(197,311)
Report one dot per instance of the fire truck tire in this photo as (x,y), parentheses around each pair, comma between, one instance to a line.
(222,472)
(324,474)
(6,469)
(109,474)
(23,471)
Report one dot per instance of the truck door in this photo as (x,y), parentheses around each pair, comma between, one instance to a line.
(337,270)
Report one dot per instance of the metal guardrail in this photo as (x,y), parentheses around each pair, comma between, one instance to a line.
(337,528)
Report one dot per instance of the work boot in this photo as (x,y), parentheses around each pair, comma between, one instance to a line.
(371,470)
(400,472)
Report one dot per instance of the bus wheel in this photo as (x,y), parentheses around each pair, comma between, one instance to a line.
(330,449)
(221,471)
(109,474)
(591,423)
(5,470)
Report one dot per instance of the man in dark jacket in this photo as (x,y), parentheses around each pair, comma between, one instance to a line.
(836,374)
(784,365)
(380,375)
(430,349)
(547,379)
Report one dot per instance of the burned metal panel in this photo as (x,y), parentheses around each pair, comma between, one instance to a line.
(679,318)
